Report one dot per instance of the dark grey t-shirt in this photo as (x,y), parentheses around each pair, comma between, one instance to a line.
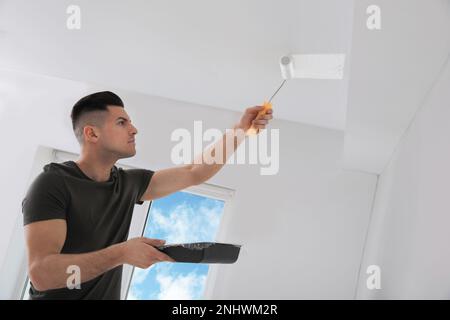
(98,214)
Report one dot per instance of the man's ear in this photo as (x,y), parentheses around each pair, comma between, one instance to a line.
(90,133)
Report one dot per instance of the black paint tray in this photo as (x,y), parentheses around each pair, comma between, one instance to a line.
(202,252)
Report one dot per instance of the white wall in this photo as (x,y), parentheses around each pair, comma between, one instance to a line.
(409,235)
(302,230)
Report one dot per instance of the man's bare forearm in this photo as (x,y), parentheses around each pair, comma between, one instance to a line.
(214,157)
(50,272)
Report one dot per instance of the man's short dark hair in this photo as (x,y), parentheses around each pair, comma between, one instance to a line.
(89,108)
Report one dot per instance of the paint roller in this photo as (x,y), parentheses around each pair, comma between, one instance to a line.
(287,72)
(306,66)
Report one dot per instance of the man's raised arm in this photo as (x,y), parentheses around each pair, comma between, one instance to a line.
(207,164)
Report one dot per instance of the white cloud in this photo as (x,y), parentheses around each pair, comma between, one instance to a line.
(139,274)
(180,287)
(134,294)
(131,296)
(186,223)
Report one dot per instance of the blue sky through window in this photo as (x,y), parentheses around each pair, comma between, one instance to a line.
(178,218)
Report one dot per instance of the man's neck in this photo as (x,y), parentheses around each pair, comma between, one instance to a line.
(95,168)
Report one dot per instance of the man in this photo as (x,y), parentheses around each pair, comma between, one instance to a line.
(77,214)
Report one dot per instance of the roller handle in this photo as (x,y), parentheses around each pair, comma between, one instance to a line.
(252,130)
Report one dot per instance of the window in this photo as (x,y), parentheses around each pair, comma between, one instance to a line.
(178,218)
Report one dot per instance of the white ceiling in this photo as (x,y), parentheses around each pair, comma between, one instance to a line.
(392,71)
(225,54)
(217,53)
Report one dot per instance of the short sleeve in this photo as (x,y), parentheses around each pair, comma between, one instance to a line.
(46,199)
(140,179)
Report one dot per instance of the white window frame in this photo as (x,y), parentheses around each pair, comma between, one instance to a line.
(138,222)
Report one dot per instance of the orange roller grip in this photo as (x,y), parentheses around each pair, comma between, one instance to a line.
(252,130)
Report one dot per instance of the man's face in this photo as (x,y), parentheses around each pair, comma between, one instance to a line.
(118,134)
